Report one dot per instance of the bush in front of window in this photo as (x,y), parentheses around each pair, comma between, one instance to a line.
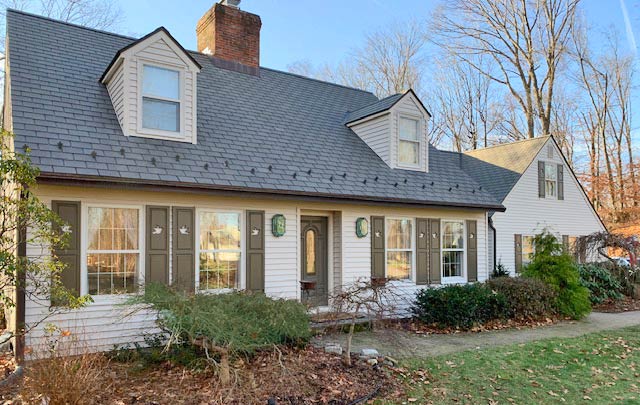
(459,306)
(553,265)
(601,283)
(228,325)
(527,298)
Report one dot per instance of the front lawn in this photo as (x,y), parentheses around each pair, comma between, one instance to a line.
(597,368)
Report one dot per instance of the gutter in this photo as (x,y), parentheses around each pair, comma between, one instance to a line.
(159,185)
(495,247)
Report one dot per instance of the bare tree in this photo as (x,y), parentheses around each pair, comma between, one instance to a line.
(100,14)
(526,39)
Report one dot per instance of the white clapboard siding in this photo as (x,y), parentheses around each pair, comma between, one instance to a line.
(116,90)
(375,133)
(107,322)
(527,214)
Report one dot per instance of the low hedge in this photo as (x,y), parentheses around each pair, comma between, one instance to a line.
(459,306)
(526,298)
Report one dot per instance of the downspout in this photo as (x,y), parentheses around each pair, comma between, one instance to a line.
(495,249)
(21,279)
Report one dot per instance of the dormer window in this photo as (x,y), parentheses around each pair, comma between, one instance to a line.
(409,142)
(160,99)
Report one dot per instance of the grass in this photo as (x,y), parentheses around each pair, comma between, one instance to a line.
(596,368)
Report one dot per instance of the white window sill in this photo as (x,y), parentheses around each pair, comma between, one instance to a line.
(454,280)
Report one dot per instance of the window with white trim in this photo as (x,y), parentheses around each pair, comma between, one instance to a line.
(399,248)
(409,141)
(550,180)
(220,250)
(453,248)
(528,249)
(113,250)
(161,98)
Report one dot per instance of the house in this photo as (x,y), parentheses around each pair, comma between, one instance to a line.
(208,172)
(540,191)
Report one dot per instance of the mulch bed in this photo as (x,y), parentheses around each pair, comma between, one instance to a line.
(292,376)
(7,364)
(623,305)
(424,329)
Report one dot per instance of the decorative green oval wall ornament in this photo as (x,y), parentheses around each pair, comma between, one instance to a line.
(362,227)
(278,225)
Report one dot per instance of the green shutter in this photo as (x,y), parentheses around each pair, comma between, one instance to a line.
(560,182)
(184,266)
(255,251)
(378,259)
(69,212)
(422,251)
(435,261)
(157,245)
(472,251)
(541,193)
(517,243)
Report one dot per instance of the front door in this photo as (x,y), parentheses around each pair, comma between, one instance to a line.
(315,289)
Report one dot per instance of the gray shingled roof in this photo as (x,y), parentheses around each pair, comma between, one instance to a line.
(276,133)
(498,168)
(373,108)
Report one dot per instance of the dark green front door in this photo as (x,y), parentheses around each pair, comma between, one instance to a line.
(315,289)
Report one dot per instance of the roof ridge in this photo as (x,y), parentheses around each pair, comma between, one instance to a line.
(377,101)
(537,138)
(28,14)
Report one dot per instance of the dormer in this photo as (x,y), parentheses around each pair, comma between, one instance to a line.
(152,84)
(395,128)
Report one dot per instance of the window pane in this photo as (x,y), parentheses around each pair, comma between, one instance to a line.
(159,114)
(219,270)
(527,249)
(453,235)
(550,172)
(112,273)
(219,231)
(398,265)
(550,188)
(160,82)
(409,129)
(452,263)
(310,254)
(409,152)
(399,233)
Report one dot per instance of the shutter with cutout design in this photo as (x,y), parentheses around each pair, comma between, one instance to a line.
(69,212)
(157,245)
(435,266)
(517,242)
(472,251)
(541,192)
(255,251)
(184,266)
(378,260)
(560,182)
(422,251)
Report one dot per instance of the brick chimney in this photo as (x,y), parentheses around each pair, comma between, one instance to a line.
(230,34)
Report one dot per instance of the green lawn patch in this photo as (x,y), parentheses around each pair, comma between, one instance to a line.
(596,368)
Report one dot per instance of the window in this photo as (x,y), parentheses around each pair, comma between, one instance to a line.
(409,142)
(452,249)
(160,99)
(219,250)
(528,249)
(113,252)
(550,180)
(399,248)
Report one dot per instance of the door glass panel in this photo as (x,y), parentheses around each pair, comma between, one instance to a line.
(310,254)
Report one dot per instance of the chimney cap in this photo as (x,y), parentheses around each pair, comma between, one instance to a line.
(231,3)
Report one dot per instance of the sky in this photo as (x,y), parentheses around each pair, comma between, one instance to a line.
(325,32)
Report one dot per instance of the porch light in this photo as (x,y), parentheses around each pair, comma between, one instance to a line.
(362,227)
(278,225)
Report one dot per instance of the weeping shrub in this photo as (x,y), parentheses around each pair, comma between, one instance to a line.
(227,325)
(601,283)
(551,264)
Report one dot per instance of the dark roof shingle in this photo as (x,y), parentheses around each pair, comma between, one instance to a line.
(274,133)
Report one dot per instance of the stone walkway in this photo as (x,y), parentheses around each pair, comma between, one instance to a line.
(403,344)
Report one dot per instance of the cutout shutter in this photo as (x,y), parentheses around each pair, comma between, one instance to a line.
(184,266)
(541,179)
(157,246)
(422,251)
(378,259)
(518,252)
(255,251)
(69,212)
(560,182)
(435,261)
(472,250)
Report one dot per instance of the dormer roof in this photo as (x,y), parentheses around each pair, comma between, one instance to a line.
(382,105)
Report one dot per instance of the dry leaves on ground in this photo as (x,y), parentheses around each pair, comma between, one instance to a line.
(623,305)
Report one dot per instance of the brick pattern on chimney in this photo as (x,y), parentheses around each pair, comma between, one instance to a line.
(230,34)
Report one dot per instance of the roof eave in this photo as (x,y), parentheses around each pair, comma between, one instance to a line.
(64,178)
